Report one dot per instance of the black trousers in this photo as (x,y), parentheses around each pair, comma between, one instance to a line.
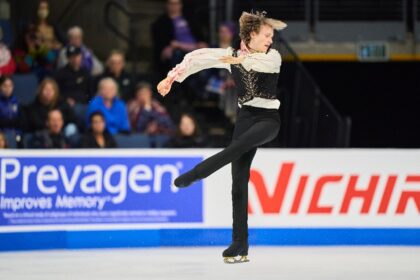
(254,127)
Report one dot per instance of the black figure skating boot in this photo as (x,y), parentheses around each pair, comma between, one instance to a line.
(237,248)
(186,179)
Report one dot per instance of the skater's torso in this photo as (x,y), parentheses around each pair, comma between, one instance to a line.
(257,88)
(255,77)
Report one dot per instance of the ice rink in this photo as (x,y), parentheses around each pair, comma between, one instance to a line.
(206,263)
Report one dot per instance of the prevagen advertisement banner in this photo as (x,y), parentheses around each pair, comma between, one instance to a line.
(92,189)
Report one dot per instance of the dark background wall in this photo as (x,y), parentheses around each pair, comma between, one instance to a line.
(382,99)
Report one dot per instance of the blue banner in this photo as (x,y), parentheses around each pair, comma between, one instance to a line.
(97,190)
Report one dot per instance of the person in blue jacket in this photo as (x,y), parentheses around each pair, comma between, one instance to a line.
(113,108)
(10,111)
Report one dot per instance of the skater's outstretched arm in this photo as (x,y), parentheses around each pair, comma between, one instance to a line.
(195,61)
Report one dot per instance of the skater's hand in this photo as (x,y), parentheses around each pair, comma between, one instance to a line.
(164,86)
(232,59)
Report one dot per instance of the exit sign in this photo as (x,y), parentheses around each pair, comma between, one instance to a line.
(373,51)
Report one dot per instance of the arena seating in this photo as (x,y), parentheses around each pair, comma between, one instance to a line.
(25,87)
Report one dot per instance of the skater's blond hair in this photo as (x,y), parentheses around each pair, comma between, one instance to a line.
(252,22)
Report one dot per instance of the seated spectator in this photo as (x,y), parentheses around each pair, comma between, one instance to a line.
(48,98)
(113,109)
(73,80)
(75,83)
(11,118)
(220,83)
(3,141)
(173,37)
(188,134)
(146,114)
(52,137)
(115,69)
(7,64)
(43,42)
(97,136)
(89,61)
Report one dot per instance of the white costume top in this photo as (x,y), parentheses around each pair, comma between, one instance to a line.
(209,58)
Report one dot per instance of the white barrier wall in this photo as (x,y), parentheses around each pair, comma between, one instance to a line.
(349,196)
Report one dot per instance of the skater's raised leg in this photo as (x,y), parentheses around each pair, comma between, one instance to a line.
(258,134)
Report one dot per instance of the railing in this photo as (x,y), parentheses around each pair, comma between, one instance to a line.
(354,20)
(416,19)
(294,10)
(131,38)
(361,10)
(309,118)
(68,10)
(337,20)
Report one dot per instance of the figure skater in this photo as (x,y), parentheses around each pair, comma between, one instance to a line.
(255,67)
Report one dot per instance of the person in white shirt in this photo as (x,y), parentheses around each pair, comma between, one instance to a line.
(255,67)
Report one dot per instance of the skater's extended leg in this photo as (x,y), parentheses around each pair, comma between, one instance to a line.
(258,134)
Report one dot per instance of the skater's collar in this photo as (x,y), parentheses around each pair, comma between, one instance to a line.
(247,50)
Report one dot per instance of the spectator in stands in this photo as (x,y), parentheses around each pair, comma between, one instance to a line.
(11,118)
(3,141)
(7,64)
(220,82)
(52,137)
(146,114)
(173,37)
(111,106)
(188,134)
(43,42)
(75,83)
(98,136)
(115,69)
(48,98)
(89,61)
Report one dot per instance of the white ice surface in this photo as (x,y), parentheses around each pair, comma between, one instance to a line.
(396,263)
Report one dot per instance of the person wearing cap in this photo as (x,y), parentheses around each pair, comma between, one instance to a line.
(75,82)
(89,61)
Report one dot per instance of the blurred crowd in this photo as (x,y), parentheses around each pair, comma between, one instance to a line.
(82,102)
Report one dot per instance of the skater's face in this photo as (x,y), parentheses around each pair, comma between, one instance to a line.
(262,41)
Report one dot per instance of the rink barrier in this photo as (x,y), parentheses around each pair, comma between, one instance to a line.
(43,240)
(125,198)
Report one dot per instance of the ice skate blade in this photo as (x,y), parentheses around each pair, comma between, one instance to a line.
(233,260)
